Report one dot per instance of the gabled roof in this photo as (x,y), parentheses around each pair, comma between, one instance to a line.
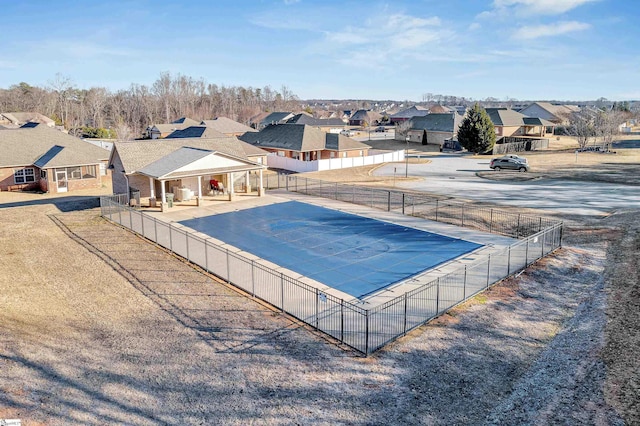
(196,132)
(557,110)
(174,160)
(185,121)
(510,118)
(301,138)
(414,111)
(276,118)
(439,109)
(46,146)
(227,126)
(19,118)
(437,122)
(322,122)
(368,116)
(137,154)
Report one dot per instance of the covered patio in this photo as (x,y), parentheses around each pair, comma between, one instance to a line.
(193,176)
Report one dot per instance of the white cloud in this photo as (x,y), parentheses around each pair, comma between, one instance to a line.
(550,30)
(474,26)
(534,7)
(399,32)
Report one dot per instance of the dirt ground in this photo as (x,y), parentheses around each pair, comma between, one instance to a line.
(101,327)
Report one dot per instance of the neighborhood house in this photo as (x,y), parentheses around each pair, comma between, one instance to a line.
(44,159)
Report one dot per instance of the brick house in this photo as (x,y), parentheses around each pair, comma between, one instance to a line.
(47,160)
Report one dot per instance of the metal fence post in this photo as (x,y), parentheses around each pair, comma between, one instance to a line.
(119,215)
(228,269)
(336,192)
(436,210)
(366,332)
(518,227)
(282,292)
(540,225)
(405,314)
(542,243)
(317,307)
(170,239)
(403,194)
(437,295)
(488,269)
(464,284)
(462,215)
(342,320)
(491,221)
(186,243)
(388,201)
(155,229)
(142,222)
(253,278)
(206,255)
(509,261)
(130,219)
(526,254)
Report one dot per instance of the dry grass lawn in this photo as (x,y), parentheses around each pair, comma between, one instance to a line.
(100,327)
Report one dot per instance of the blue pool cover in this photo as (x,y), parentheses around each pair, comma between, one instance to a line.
(351,253)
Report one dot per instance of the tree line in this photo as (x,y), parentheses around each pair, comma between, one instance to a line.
(128,112)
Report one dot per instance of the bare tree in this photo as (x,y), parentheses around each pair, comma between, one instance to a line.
(582,127)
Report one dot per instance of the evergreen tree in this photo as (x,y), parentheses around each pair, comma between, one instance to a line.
(476,133)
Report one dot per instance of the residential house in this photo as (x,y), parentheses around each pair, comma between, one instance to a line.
(158,131)
(44,159)
(156,168)
(17,119)
(305,143)
(407,114)
(364,117)
(434,129)
(325,124)
(227,126)
(204,132)
(510,123)
(275,118)
(558,114)
(196,132)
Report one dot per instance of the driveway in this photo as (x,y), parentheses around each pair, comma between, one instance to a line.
(455,175)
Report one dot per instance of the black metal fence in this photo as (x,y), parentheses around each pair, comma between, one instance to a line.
(365,330)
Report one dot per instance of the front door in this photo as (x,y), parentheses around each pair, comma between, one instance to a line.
(61,178)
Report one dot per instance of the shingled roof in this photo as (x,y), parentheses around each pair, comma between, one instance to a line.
(136,155)
(227,126)
(510,118)
(321,122)
(47,147)
(301,138)
(196,132)
(437,122)
(414,111)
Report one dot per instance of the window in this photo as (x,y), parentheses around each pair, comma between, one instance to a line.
(43,174)
(89,172)
(74,173)
(103,169)
(24,175)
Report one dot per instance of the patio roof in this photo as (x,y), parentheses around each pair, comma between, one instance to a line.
(187,162)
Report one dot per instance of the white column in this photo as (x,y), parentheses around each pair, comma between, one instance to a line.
(163,199)
(230,184)
(260,186)
(199,197)
(248,182)
(152,189)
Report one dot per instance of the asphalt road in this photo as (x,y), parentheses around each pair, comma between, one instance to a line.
(455,175)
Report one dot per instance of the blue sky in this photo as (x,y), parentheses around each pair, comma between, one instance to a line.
(523,49)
